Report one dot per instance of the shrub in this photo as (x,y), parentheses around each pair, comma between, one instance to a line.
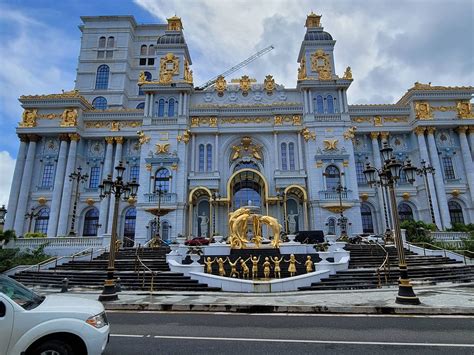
(461,227)
(12,257)
(35,235)
(418,231)
(7,235)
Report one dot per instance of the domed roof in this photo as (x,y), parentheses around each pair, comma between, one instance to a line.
(317,36)
(171,38)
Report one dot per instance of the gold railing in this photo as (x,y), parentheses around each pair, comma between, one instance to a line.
(141,268)
(385,266)
(461,252)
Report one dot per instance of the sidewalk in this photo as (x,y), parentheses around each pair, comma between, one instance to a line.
(449,299)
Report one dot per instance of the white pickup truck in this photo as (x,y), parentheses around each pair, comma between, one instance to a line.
(31,324)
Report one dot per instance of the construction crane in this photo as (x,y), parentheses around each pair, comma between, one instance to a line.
(237,67)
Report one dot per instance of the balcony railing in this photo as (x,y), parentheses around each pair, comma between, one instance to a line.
(166,199)
(333,195)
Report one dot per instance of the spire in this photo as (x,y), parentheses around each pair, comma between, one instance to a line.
(175,24)
(313,20)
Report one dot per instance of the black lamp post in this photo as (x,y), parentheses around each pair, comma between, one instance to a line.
(342,220)
(160,190)
(78,177)
(424,171)
(388,176)
(30,216)
(117,188)
(3,212)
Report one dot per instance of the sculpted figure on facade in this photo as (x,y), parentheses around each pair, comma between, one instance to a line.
(29,118)
(348,74)
(302,69)
(464,109)
(69,118)
(188,74)
(221,85)
(269,84)
(423,111)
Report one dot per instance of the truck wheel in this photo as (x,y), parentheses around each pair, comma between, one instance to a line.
(53,347)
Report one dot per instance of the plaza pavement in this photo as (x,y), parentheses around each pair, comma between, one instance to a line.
(448,299)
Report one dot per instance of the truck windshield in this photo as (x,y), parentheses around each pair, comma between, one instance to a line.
(19,293)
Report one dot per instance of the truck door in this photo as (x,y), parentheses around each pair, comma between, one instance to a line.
(6,323)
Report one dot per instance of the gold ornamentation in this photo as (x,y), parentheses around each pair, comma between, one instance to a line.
(364,197)
(195,122)
(348,74)
(244,84)
(319,164)
(169,66)
(395,119)
(142,78)
(74,137)
(174,166)
(320,63)
(69,118)
(313,20)
(246,148)
(307,134)
(455,193)
(419,131)
(345,163)
(90,201)
(464,109)
(278,120)
(29,118)
(350,133)
(148,167)
(175,24)
(212,121)
(330,144)
(361,119)
(336,209)
(49,116)
(119,140)
(221,85)
(109,140)
(115,126)
(378,121)
(443,108)
(235,120)
(131,201)
(162,148)
(42,200)
(269,84)
(302,69)
(188,74)
(185,137)
(423,110)
(296,120)
(142,138)
(384,135)
(430,130)
(406,196)
(374,135)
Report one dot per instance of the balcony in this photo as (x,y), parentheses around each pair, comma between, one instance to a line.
(334,196)
(166,199)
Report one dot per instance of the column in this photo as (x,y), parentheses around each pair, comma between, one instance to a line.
(467,159)
(420,133)
(339,95)
(471,139)
(193,152)
(150,106)
(438,179)
(25,184)
(58,187)
(180,104)
(378,164)
(118,158)
(300,152)
(305,102)
(310,102)
(104,204)
(66,198)
(214,155)
(16,182)
(275,148)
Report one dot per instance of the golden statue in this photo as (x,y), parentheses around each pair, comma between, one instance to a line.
(350,133)
(142,138)
(309,264)
(348,74)
(209,263)
(238,227)
(29,118)
(220,263)
(307,134)
(221,85)
(423,111)
(185,137)
(276,228)
(69,118)
(142,78)
(302,69)
(233,267)
(244,83)
(188,74)
(292,265)
(257,232)
(255,262)
(266,268)
(245,268)
(277,269)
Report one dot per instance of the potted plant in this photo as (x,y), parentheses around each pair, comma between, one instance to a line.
(180,239)
(218,238)
(195,254)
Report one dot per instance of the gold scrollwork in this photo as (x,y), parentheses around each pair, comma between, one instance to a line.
(221,85)
(245,84)
(185,137)
(269,84)
(142,138)
(296,120)
(29,118)
(350,133)
(378,121)
(162,148)
(361,119)
(423,110)
(188,74)
(302,70)
(245,120)
(169,66)
(330,144)
(307,134)
(464,109)
(68,118)
(320,63)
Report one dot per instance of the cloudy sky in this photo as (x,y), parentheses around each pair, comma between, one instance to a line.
(389,45)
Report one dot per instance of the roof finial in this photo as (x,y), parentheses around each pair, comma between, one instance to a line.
(313,20)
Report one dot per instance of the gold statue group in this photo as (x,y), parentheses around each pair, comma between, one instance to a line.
(238,225)
(267,266)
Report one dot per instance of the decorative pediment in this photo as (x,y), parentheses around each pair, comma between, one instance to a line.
(246,149)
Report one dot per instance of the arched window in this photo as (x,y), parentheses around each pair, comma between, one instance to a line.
(102,42)
(110,42)
(330,103)
(284,160)
(360,173)
(209,157)
(246,165)
(94,179)
(165,230)
(367,222)
(151,50)
(41,224)
(291,155)
(91,223)
(162,180)
(102,78)
(141,106)
(455,212)
(319,104)
(201,157)
(48,174)
(448,168)
(100,103)
(405,213)
(161,108)
(171,107)
(331,226)
(333,177)
(129,226)
(143,49)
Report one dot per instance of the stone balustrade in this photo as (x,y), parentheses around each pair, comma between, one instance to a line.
(449,236)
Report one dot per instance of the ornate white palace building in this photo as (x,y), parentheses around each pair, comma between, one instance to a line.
(201,153)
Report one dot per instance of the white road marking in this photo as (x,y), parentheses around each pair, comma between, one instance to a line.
(127,335)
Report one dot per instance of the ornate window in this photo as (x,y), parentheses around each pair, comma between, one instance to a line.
(102,42)
(367,222)
(201,157)
(284,161)
(48,174)
(91,223)
(331,226)
(141,106)
(455,212)
(94,179)
(405,212)
(162,180)
(41,224)
(291,155)
(333,177)
(110,42)
(129,225)
(319,104)
(100,103)
(360,173)
(330,103)
(102,78)
(171,107)
(165,230)
(161,107)
(143,49)
(209,157)
(448,168)
(134,172)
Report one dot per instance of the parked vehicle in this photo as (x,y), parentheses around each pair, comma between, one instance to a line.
(31,324)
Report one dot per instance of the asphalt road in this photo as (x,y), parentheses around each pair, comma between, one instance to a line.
(204,333)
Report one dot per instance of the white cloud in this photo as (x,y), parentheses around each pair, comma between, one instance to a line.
(7,165)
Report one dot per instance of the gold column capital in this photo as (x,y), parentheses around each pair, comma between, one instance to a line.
(64,137)
(419,131)
(34,138)
(462,129)
(74,137)
(384,135)
(374,135)
(109,140)
(23,137)
(430,130)
(119,140)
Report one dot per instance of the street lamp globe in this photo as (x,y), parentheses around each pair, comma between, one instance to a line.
(386,152)
(3,212)
(410,171)
(394,168)
(133,188)
(120,170)
(369,174)
(108,183)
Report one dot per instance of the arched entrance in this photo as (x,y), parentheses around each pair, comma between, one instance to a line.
(295,202)
(247,187)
